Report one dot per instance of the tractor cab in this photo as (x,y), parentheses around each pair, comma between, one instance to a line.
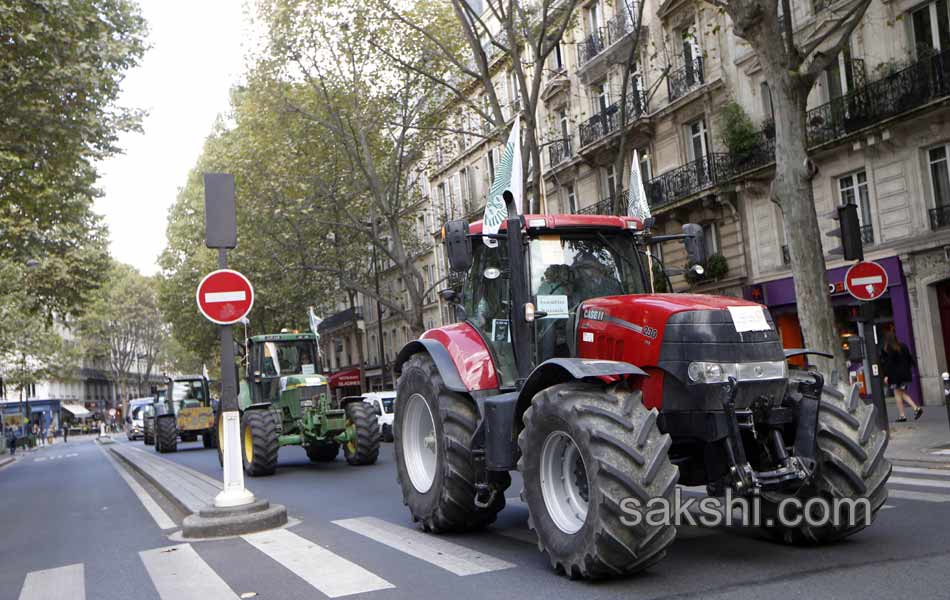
(281,361)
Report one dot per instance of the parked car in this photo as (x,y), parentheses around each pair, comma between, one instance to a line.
(135,422)
(384,403)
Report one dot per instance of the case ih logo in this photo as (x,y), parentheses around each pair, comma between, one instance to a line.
(595,314)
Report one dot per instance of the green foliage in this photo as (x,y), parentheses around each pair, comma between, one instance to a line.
(716,267)
(659,279)
(62,63)
(738,133)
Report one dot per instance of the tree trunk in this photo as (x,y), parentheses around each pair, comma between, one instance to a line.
(793,192)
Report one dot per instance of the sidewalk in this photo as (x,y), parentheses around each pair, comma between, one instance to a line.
(926,440)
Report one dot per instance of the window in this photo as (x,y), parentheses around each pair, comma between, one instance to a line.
(767,108)
(854,190)
(840,75)
(691,50)
(594,18)
(565,132)
(491,166)
(557,59)
(931,25)
(698,143)
(514,92)
(646,173)
(610,182)
(571,199)
(486,307)
(711,238)
(940,175)
(599,100)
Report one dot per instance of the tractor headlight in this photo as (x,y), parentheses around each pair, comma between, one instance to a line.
(710,372)
(306,403)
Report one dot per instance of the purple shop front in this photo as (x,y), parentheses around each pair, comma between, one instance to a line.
(893,307)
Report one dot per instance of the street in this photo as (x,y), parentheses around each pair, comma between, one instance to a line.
(82,528)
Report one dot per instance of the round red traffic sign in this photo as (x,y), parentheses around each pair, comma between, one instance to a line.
(866,280)
(225,296)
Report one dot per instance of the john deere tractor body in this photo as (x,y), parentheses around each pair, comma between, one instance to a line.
(186,411)
(285,401)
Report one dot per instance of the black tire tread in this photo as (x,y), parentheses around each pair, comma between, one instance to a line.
(166,435)
(367,434)
(629,463)
(263,428)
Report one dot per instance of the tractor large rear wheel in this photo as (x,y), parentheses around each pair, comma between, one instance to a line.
(209,438)
(363,448)
(591,459)
(323,452)
(433,431)
(148,432)
(166,435)
(259,445)
(851,466)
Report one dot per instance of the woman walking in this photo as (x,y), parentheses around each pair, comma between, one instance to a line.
(897,362)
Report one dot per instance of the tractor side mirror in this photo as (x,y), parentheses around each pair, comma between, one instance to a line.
(449,295)
(458,245)
(695,244)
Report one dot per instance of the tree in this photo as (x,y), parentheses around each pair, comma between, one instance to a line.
(62,64)
(123,326)
(791,67)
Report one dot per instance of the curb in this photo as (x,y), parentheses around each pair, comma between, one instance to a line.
(6,461)
(212,522)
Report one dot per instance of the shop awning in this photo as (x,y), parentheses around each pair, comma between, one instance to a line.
(77,410)
(345,378)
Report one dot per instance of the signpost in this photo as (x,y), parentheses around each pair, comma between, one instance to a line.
(225,297)
(867,281)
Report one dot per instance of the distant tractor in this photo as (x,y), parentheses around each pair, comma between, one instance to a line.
(186,411)
(566,366)
(285,401)
(148,419)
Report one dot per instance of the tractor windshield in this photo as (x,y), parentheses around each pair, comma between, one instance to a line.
(289,358)
(567,269)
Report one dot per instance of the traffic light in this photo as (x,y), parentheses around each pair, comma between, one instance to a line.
(849,230)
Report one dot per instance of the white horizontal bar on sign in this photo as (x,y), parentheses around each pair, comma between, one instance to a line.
(432,549)
(212,297)
(867,280)
(52,584)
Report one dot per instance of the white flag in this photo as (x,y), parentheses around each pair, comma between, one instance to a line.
(508,178)
(637,201)
(314,325)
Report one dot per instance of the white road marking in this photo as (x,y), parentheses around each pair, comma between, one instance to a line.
(160,517)
(434,550)
(212,297)
(40,459)
(331,574)
(923,496)
(178,573)
(921,471)
(62,583)
(887,506)
(919,482)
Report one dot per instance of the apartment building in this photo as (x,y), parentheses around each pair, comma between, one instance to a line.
(877,129)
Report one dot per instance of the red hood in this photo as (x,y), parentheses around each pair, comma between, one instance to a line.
(673,303)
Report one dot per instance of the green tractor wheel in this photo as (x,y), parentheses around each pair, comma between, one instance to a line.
(166,434)
(259,443)
(363,427)
(323,452)
(209,438)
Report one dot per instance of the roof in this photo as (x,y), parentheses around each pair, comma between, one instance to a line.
(568,221)
(344,317)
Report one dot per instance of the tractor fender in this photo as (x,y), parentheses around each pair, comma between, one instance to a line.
(561,370)
(258,406)
(440,356)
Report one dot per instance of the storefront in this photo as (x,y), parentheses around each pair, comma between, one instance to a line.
(893,311)
(46,414)
(345,383)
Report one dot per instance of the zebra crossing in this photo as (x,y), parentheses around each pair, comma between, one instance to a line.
(56,457)
(179,572)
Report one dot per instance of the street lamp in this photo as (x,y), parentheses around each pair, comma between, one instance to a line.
(379,309)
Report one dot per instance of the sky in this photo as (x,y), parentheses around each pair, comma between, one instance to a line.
(196,55)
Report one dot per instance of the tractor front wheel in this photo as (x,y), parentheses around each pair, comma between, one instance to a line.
(209,437)
(592,459)
(259,445)
(851,466)
(433,429)
(323,452)
(363,447)
(166,434)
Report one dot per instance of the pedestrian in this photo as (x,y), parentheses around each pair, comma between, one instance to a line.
(897,362)
(35,430)
(65,432)
(11,440)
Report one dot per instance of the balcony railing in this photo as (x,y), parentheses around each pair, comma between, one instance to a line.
(940,217)
(608,35)
(559,151)
(684,79)
(604,207)
(690,178)
(606,121)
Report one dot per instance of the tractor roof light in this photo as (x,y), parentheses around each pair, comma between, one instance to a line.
(529,312)
(537,223)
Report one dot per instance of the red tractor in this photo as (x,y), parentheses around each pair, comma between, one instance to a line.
(604,395)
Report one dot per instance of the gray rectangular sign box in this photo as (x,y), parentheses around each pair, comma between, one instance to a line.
(220,215)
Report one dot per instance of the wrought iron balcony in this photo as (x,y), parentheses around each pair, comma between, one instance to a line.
(940,217)
(604,207)
(558,152)
(690,178)
(608,35)
(686,78)
(910,88)
(607,121)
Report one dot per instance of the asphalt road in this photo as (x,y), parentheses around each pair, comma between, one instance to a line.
(354,534)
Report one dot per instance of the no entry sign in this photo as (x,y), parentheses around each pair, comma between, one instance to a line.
(225,296)
(866,281)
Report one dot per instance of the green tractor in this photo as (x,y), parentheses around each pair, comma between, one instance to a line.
(185,410)
(285,401)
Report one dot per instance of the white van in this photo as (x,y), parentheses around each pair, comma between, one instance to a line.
(385,404)
(135,422)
